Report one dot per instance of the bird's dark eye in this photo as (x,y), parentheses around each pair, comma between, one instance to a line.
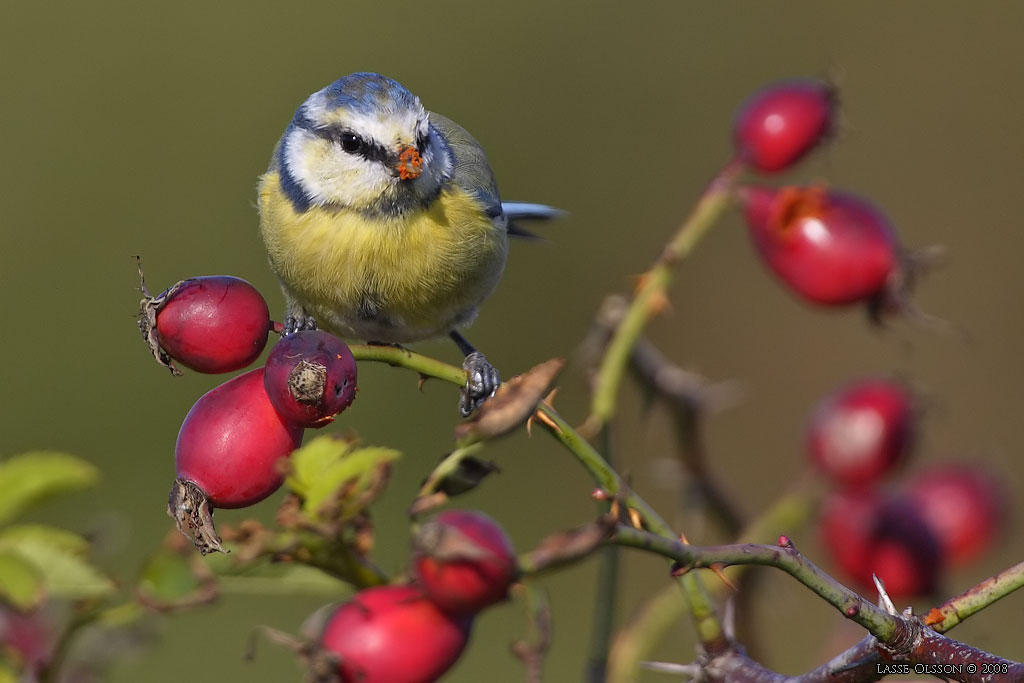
(351,143)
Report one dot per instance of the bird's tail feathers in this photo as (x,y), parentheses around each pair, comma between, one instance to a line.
(520,211)
(526,211)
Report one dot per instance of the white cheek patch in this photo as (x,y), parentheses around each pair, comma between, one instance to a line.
(329,175)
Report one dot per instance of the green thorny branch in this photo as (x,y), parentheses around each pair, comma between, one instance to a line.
(902,636)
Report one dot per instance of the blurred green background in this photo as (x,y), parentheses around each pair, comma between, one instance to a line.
(133,128)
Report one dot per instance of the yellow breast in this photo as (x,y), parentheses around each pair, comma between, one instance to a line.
(394,279)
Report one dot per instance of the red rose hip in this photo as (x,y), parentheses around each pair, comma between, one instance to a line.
(227,454)
(464,561)
(963,503)
(393,634)
(868,534)
(310,377)
(904,552)
(211,324)
(847,524)
(829,247)
(861,431)
(782,122)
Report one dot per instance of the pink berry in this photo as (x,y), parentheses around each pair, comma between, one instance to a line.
(860,432)
(464,561)
(393,634)
(211,324)
(231,441)
(782,122)
(28,638)
(310,377)
(963,504)
(830,247)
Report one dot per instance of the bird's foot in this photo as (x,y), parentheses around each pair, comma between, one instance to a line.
(298,323)
(482,383)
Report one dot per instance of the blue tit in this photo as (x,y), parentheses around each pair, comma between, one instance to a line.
(383,221)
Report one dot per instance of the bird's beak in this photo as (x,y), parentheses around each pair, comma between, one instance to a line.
(410,163)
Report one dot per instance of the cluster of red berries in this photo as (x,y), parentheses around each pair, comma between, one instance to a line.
(831,248)
(941,516)
(463,562)
(230,444)
(834,248)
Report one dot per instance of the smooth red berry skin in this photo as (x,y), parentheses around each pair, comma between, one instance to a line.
(310,377)
(464,561)
(862,431)
(963,504)
(214,324)
(829,247)
(779,124)
(231,441)
(393,634)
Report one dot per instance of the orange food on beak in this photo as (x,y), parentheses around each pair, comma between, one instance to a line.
(410,164)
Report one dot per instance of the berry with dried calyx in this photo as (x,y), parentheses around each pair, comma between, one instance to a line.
(211,324)
(310,377)
(228,455)
(830,247)
(464,561)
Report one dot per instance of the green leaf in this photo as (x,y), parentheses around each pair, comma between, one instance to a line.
(64,573)
(332,474)
(21,584)
(7,675)
(27,478)
(169,578)
(12,536)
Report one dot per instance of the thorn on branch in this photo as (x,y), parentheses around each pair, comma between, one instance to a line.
(541,416)
(884,601)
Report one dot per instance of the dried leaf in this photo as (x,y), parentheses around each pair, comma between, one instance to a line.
(467,476)
(567,546)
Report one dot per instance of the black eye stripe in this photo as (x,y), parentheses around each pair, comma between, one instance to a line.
(368,149)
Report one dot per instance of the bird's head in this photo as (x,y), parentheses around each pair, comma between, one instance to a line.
(363,143)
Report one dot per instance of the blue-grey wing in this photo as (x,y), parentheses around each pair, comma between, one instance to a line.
(473,174)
